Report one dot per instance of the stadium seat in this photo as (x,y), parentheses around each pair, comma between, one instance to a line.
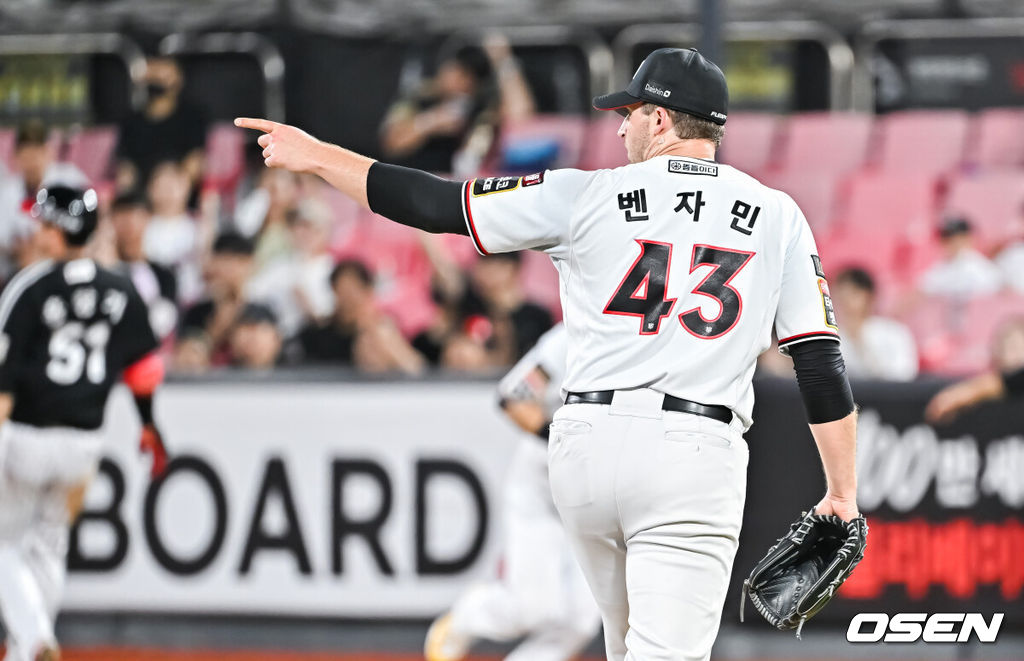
(603,147)
(993,202)
(825,142)
(566,133)
(91,150)
(750,141)
(883,204)
(923,141)
(540,281)
(815,192)
(998,140)
(979,321)
(7,137)
(225,156)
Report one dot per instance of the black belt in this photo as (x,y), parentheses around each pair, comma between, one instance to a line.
(713,411)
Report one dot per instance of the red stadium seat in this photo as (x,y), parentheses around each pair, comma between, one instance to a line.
(923,141)
(603,148)
(815,192)
(890,205)
(568,131)
(993,202)
(540,281)
(978,324)
(825,142)
(91,150)
(225,156)
(998,140)
(750,140)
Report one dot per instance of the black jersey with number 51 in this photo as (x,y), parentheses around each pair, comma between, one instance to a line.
(67,330)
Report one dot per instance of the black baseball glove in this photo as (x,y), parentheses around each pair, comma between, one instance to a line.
(802,572)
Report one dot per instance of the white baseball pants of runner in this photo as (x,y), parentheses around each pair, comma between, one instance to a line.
(541,593)
(652,502)
(40,469)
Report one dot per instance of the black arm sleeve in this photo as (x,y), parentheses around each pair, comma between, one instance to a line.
(1014,382)
(416,198)
(821,374)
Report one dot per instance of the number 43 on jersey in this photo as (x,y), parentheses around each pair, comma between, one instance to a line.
(643,291)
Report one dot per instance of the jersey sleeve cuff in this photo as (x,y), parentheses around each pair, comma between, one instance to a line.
(467,214)
(784,343)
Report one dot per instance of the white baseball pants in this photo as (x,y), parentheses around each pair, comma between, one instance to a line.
(541,593)
(652,502)
(39,470)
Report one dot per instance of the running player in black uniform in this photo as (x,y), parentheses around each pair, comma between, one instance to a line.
(68,331)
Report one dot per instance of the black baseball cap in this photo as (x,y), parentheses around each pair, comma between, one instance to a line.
(677,78)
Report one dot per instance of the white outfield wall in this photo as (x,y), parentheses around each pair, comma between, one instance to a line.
(326,499)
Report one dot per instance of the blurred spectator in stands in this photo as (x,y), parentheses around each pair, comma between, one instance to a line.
(873,347)
(297,285)
(263,214)
(206,326)
(1008,346)
(167,129)
(459,110)
(356,333)
(773,362)
(963,272)
(35,166)
(175,238)
(1011,260)
(495,290)
(156,284)
(255,340)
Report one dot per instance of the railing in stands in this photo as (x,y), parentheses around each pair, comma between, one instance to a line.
(872,33)
(838,51)
(266,54)
(99,43)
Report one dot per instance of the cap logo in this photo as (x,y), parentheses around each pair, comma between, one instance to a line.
(717,115)
(654,88)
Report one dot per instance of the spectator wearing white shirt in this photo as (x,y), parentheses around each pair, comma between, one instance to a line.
(174,238)
(873,347)
(297,285)
(963,272)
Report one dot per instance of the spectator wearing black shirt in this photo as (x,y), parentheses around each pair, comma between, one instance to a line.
(156,284)
(206,326)
(357,334)
(168,129)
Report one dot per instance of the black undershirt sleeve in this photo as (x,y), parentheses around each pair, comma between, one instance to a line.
(821,375)
(1014,382)
(416,198)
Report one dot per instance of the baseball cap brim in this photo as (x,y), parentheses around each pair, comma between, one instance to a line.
(615,101)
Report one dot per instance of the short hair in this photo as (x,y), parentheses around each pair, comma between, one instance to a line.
(690,127)
(256,313)
(233,243)
(858,277)
(474,60)
(31,133)
(130,200)
(354,267)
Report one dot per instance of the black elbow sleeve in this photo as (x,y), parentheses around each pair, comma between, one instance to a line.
(821,375)
(1014,382)
(416,198)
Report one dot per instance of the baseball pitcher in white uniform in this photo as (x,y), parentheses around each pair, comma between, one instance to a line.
(674,270)
(541,593)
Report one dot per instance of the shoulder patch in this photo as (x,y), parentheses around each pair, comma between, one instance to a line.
(490,185)
(689,167)
(533,179)
(818,269)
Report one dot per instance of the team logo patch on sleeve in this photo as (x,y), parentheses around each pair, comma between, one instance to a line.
(826,303)
(687,167)
(489,185)
(819,270)
(533,179)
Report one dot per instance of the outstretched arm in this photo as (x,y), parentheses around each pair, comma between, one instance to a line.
(954,399)
(404,195)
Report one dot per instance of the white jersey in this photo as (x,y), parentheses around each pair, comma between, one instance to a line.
(673,271)
(548,356)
